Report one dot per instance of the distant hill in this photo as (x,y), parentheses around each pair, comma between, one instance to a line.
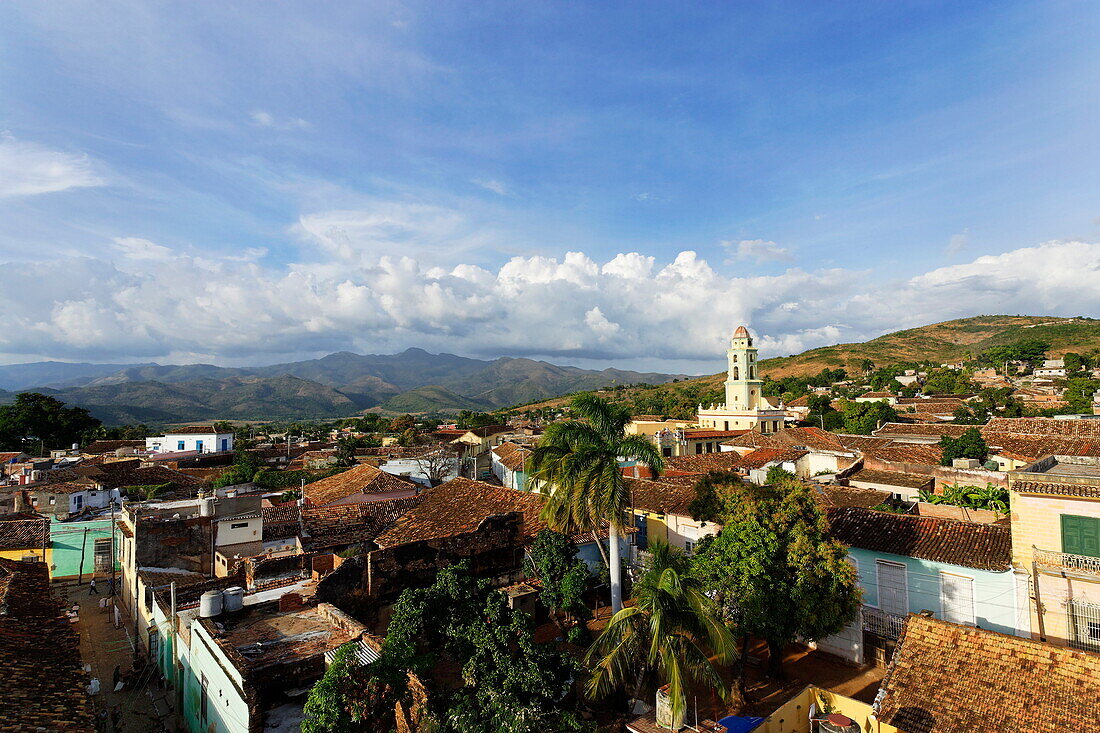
(944,342)
(337,385)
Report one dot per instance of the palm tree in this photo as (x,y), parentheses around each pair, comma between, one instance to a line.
(671,629)
(578,460)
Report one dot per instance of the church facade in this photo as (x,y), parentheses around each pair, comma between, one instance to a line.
(746,408)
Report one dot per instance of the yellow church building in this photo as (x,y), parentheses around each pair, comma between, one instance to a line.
(746,408)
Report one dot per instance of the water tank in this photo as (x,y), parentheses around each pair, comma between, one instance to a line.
(210,604)
(233,599)
(206,506)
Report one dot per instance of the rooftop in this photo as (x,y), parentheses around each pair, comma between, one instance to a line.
(264,637)
(363,478)
(952,541)
(945,677)
(892,478)
(44,679)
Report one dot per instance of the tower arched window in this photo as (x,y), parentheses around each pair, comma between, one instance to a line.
(735,374)
(735,358)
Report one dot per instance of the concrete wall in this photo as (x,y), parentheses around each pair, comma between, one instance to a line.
(68,540)
(794,715)
(942,474)
(994,593)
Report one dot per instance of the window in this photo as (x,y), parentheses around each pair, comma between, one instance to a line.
(102,554)
(666,451)
(53,500)
(1084,625)
(957,599)
(154,646)
(198,446)
(1081,535)
(204,699)
(689,546)
(78,500)
(238,525)
(893,596)
(698,448)
(180,445)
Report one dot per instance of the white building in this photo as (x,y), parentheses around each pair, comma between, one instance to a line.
(745,407)
(197,438)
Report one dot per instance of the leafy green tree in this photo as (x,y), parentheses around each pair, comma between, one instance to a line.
(866,366)
(671,631)
(1074,362)
(326,709)
(860,418)
(345,452)
(708,504)
(968,445)
(1078,394)
(579,459)
(563,577)
(775,569)
(38,421)
(778,476)
(246,464)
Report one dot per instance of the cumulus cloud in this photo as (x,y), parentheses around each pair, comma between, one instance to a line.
(27,169)
(153,300)
(759,250)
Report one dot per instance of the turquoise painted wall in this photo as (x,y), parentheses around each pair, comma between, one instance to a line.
(994,593)
(66,541)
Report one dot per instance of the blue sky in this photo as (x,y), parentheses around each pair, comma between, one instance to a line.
(246,183)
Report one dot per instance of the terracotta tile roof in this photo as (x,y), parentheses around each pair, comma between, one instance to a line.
(120,474)
(44,678)
(953,401)
(97,447)
(346,524)
(1034,447)
(1044,426)
(803,401)
(363,478)
(835,496)
(6,457)
(891,429)
(512,455)
(160,577)
(924,454)
(486,430)
(862,442)
(648,418)
(810,437)
(876,395)
(892,478)
(62,487)
(763,456)
(753,439)
(663,496)
(1053,488)
(460,505)
(949,678)
(24,534)
(952,541)
(706,462)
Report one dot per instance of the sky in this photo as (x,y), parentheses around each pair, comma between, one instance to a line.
(592,183)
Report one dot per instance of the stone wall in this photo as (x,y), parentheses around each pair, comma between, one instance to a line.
(944,475)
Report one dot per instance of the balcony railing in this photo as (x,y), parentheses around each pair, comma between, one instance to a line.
(1065,561)
(882,623)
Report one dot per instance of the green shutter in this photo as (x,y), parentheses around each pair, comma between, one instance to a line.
(1081,535)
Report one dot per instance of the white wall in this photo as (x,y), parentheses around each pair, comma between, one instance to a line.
(206,442)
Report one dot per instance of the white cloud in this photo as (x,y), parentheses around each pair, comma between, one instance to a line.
(266,119)
(161,301)
(958,242)
(491,184)
(27,169)
(760,250)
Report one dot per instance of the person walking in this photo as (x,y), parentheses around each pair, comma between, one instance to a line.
(91,588)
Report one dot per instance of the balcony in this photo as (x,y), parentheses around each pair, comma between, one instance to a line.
(882,623)
(1065,562)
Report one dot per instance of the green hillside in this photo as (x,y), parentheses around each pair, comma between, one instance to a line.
(939,343)
(432,398)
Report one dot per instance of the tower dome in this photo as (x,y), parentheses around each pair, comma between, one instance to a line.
(741,333)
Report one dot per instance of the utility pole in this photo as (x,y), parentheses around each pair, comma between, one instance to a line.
(114,549)
(83,547)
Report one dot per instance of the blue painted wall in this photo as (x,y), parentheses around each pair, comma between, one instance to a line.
(994,593)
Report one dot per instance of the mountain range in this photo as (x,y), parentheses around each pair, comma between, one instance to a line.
(338,385)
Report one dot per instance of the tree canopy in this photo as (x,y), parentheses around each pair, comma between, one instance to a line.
(775,569)
(968,445)
(37,421)
(860,418)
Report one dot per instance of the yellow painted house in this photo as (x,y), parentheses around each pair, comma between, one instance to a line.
(1055,504)
(23,538)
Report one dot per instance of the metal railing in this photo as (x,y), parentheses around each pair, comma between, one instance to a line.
(883,623)
(1084,621)
(1066,561)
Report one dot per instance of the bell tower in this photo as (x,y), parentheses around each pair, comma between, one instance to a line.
(742,380)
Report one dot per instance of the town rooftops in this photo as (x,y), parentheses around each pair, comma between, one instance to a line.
(927,432)
(486,430)
(763,456)
(512,455)
(877,395)
(708,434)
(946,677)
(835,496)
(1081,428)
(1053,488)
(98,447)
(706,462)
(331,526)
(459,506)
(952,541)
(23,532)
(662,496)
(892,478)
(363,478)
(924,454)
(44,679)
